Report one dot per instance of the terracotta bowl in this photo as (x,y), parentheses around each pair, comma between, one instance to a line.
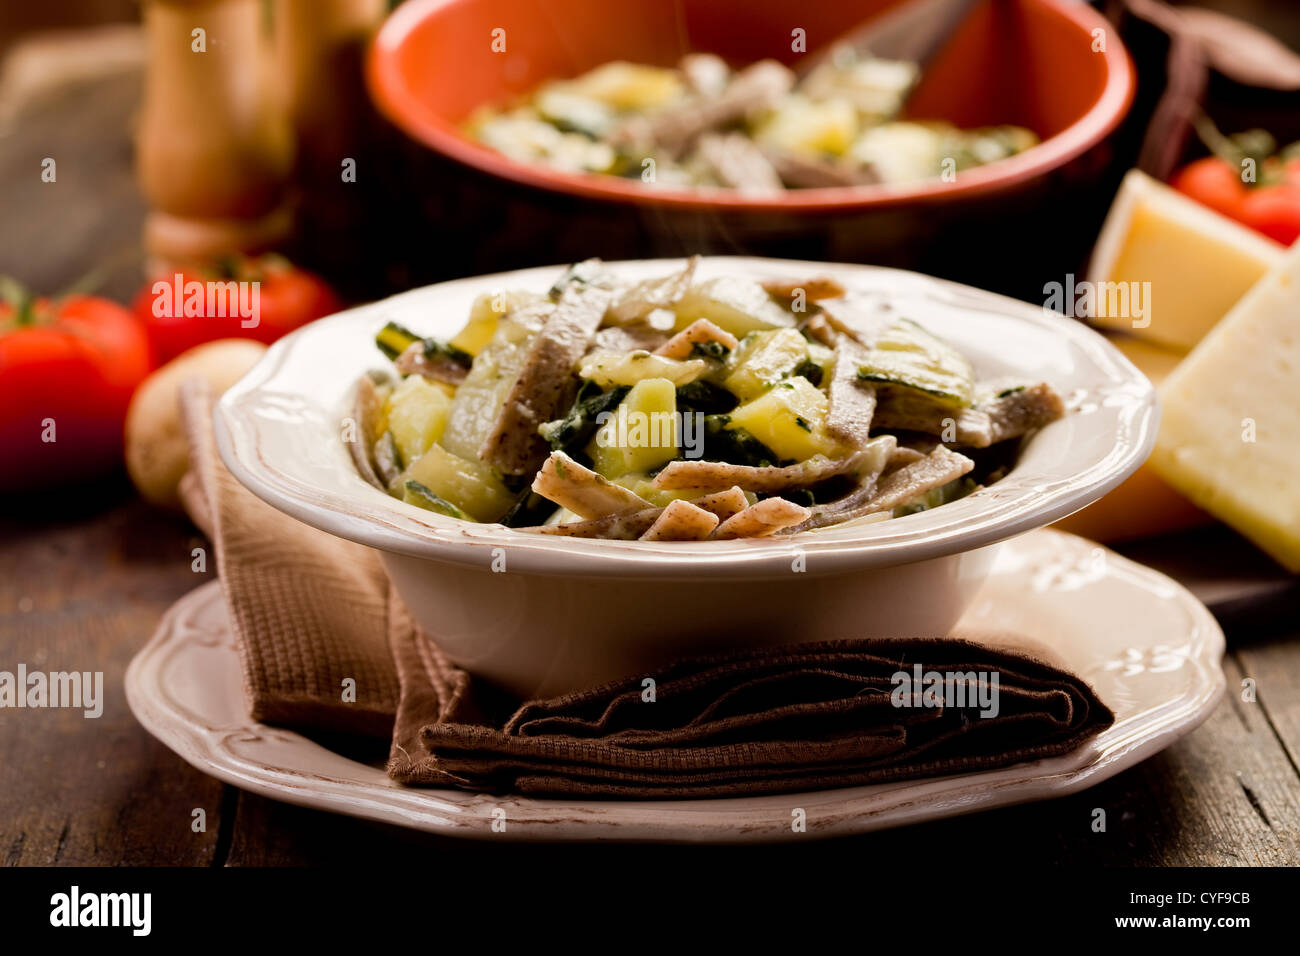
(540,614)
(1031,62)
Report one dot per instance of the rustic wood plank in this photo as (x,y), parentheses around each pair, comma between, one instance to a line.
(1245,588)
(1275,668)
(85,594)
(270,833)
(1225,795)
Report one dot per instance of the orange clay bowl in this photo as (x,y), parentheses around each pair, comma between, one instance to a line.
(1057,68)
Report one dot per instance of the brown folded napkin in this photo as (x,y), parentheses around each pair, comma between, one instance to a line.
(310,611)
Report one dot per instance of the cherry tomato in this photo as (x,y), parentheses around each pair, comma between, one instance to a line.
(1212,182)
(67,371)
(262,298)
(1270,205)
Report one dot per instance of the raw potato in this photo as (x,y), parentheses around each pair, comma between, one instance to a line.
(157,454)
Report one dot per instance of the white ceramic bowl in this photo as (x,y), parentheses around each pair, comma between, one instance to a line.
(543,614)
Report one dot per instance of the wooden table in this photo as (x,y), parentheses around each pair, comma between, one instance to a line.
(84,579)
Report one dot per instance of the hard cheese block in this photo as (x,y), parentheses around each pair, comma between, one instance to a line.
(1144,505)
(1230,436)
(1198,263)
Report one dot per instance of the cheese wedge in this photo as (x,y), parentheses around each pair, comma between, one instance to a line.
(1144,505)
(1198,264)
(1230,436)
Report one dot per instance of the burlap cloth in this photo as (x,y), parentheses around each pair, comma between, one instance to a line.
(312,612)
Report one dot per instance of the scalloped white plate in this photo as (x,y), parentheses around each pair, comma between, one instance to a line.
(1148,647)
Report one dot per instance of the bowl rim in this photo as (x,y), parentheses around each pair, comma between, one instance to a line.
(369,516)
(404,109)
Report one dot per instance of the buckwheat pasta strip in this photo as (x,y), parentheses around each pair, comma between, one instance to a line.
(764,518)
(582,491)
(712,474)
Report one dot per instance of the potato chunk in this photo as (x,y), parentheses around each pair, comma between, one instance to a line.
(810,129)
(417,415)
(790,420)
(762,360)
(641,433)
(484,315)
(469,485)
(739,306)
(629,86)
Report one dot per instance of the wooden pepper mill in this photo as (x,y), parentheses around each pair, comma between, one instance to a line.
(320,55)
(214,149)
(320,49)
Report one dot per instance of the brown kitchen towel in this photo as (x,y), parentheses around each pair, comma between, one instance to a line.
(311,610)
(800,717)
(308,609)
